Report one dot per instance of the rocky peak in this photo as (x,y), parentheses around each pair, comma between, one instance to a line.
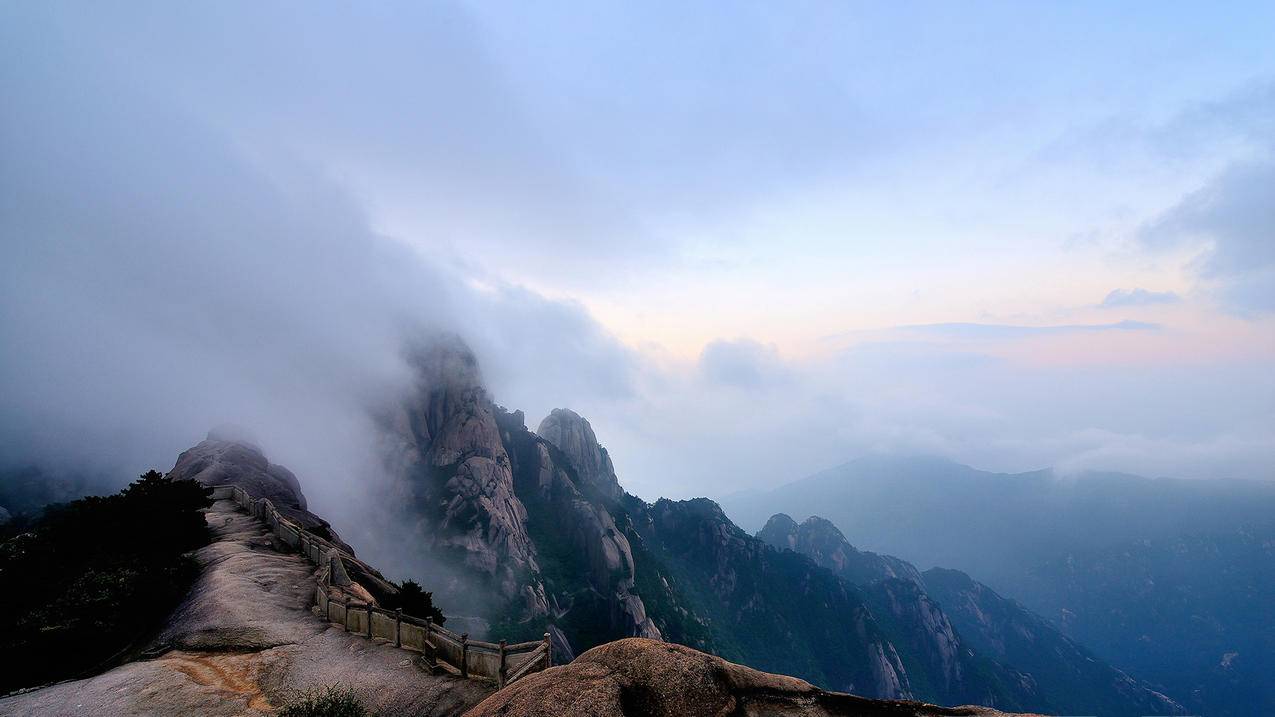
(572,434)
(821,541)
(575,526)
(780,531)
(444,443)
(229,457)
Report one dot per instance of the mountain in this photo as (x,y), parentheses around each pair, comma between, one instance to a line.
(1169,580)
(540,520)
(961,626)
(1068,675)
(544,524)
(912,507)
(1195,612)
(245,640)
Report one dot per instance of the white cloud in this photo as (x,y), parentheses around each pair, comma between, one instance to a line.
(1124,298)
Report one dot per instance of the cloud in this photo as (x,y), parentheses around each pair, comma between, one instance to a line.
(1124,298)
(1232,220)
(742,363)
(1009,331)
(160,277)
(187,238)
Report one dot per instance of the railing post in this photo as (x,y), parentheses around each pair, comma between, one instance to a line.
(398,627)
(464,655)
(500,674)
(548,652)
(345,617)
(369,620)
(427,646)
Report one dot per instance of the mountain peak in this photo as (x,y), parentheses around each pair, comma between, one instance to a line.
(571,433)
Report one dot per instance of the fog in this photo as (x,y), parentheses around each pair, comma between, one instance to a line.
(161,278)
(239,214)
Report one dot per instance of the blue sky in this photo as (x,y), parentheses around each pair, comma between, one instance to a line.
(748,241)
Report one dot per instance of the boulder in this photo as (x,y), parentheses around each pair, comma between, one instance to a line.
(636,676)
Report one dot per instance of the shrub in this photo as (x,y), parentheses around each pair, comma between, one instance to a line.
(90,580)
(415,601)
(333,701)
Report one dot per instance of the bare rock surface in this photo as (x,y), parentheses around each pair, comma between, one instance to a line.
(637,676)
(245,641)
(445,443)
(573,435)
(227,458)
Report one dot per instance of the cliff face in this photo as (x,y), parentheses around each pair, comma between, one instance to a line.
(1072,677)
(445,446)
(775,611)
(471,470)
(962,641)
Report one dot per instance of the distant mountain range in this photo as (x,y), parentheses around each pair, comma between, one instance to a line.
(962,618)
(1171,580)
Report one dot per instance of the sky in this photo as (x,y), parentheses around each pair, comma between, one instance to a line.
(747,241)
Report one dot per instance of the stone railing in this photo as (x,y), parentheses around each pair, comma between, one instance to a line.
(440,647)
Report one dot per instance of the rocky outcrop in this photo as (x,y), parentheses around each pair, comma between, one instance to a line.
(579,521)
(444,444)
(822,542)
(228,457)
(656,679)
(244,642)
(573,435)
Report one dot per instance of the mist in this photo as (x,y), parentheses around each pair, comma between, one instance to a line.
(161,278)
(238,214)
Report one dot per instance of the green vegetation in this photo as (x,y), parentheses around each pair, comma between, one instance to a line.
(91,580)
(415,601)
(333,701)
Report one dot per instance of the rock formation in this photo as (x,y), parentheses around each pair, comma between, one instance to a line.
(573,517)
(656,679)
(573,435)
(469,470)
(444,443)
(227,457)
